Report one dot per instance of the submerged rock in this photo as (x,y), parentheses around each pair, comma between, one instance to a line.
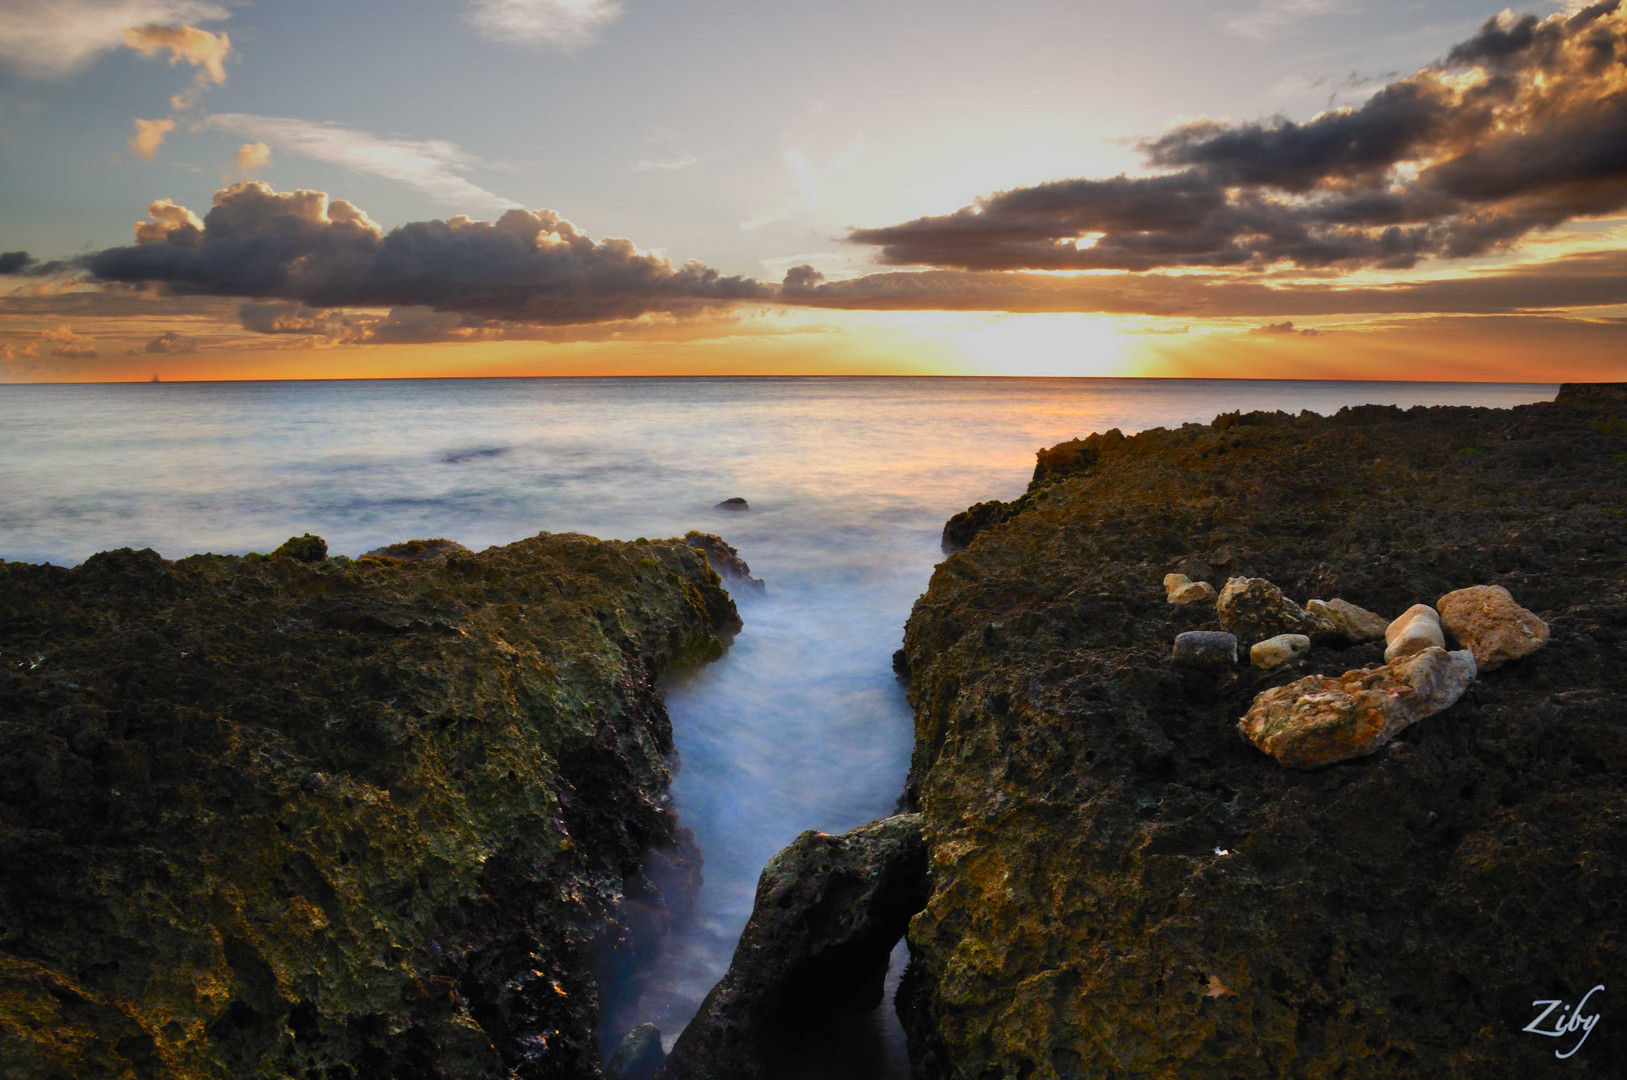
(1414,630)
(638,1056)
(1205,648)
(736,503)
(1320,719)
(1489,622)
(725,559)
(267,818)
(1276,651)
(1254,609)
(1355,624)
(828,911)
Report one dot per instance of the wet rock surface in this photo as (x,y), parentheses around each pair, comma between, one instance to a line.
(1124,887)
(828,911)
(300,816)
(725,559)
(1488,621)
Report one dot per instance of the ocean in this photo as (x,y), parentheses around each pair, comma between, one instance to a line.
(802,725)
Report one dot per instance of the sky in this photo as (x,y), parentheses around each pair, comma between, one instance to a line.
(1383,189)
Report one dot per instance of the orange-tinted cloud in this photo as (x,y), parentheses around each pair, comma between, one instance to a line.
(200,48)
(150,136)
(251,157)
(1520,128)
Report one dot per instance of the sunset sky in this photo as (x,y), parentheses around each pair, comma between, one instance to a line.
(1248,188)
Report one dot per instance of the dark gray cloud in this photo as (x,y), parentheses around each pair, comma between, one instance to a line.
(1591,280)
(528,266)
(1284,329)
(169,343)
(14,262)
(1522,127)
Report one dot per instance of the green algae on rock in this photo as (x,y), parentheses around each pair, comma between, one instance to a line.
(1124,887)
(303,816)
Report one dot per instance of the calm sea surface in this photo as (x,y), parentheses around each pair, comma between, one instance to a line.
(802,724)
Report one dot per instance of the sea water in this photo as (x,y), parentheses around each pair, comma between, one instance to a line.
(802,724)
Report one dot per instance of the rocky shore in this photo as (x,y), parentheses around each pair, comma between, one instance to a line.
(301,816)
(1121,885)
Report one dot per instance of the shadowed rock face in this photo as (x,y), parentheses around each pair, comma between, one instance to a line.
(1124,887)
(301,816)
(829,910)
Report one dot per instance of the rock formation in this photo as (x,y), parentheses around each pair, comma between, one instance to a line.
(1254,609)
(1355,624)
(726,560)
(1488,621)
(1123,887)
(1320,719)
(297,816)
(829,910)
(1414,630)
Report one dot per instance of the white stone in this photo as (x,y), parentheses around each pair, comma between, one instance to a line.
(1274,652)
(1416,629)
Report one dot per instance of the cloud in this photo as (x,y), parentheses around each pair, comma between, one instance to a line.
(563,24)
(1271,15)
(528,266)
(169,343)
(1284,329)
(15,262)
(1589,280)
(149,136)
(70,344)
(202,49)
(432,166)
(9,351)
(251,157)
(670,164)
(75,352)
(1519,129)
(53,38)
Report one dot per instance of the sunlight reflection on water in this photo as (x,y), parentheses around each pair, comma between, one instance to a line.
(801,725)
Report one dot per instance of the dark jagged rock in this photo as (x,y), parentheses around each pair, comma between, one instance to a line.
(418,550)
(1124,887)
(307,548)
(829,910)
(735,504)
(725,559)
(638,1056)
(293,817)
(959,530)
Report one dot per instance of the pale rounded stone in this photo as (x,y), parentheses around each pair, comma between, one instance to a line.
(1487,620)
(1195,592)
(1416,629)
(1274,652)
(1206,648)
(1357,624)
(1319,720)
(1173,583)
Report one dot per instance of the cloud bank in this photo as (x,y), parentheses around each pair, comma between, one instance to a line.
(529,266)
(1522,127)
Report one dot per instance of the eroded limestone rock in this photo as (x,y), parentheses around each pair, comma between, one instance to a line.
(1276,651)
(1254,609)
(1356,624)
(1414,630)
(725,559)
(1323,719)
(1181,589)
(829,910)
(1495,628)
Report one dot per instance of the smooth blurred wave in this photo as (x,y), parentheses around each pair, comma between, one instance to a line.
(850,480)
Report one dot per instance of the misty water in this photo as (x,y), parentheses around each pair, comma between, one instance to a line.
(802,724)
